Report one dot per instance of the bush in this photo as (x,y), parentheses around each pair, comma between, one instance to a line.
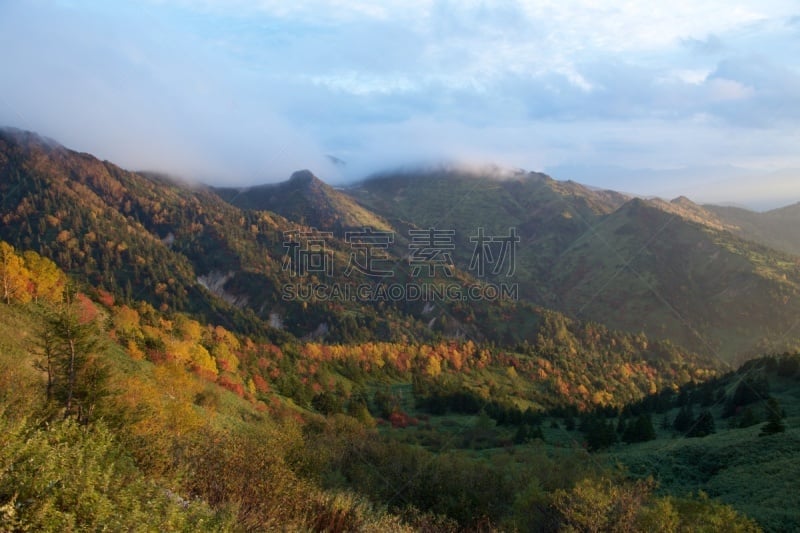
(63,476)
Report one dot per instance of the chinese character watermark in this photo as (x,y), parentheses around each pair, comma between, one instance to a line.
(431,256)
(368,250)
(306,253)
(430,248)
(495,251)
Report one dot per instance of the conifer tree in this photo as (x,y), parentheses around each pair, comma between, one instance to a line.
(639,430)
(703,426)
(600,434)
(774,419)
(70,348)
(748,418)
(684,419)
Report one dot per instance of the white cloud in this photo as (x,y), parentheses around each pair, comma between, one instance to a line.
(250,90)
(363,84)
(689,76)
(724,90)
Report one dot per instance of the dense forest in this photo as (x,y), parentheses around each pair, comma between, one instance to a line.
(122,416)
(155,379)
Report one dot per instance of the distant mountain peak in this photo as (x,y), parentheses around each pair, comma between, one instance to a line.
(682,200)
(303,177)
(27,137)
(336,161)
(688,210)
(306,199)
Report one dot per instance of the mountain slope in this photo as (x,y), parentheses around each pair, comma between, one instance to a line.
(651,270)
(305,199)
(139,237)
(145,237)
(548,215)
(671,269)
(778,228)
(198,428)
(739,462)
(182,248)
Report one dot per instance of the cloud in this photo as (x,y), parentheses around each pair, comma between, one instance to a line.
(723,90)
(128,93)
(708,46)
(772,92)
(246,92)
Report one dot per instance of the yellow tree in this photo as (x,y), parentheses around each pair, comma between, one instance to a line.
(223,349)
(127,322)
(202,362)
(14,277)
(48,280)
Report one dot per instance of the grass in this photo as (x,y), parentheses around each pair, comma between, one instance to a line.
(757,475)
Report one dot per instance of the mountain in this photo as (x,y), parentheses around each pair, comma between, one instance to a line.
(547,214)
(671,269)
(757,190)
(139,237)
(139,418)
(305,199)
(179,247)
(162,379)
(722,184)
(777,228)
(182,248)
(650,269)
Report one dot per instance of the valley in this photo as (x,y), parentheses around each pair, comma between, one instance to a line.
(643,376)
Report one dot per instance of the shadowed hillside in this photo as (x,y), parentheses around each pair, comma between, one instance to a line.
(671,269)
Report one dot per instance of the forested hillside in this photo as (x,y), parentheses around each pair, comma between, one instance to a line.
(670,269)
(156,378)
(156,420)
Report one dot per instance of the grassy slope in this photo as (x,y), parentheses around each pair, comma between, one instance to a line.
(19,329)
(758,475)
(111,473)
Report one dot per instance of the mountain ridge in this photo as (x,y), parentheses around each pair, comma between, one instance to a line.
(776,227)
(305,199)
(678,268)
(185,249)
(570,232)
(226,406)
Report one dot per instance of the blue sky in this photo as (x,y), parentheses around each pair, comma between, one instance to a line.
(695,97)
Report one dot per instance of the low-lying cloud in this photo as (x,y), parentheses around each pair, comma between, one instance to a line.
(241,93)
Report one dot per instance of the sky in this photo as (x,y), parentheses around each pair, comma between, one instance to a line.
(656,98)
